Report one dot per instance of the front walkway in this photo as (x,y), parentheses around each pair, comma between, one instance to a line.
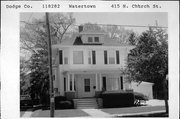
(96,113)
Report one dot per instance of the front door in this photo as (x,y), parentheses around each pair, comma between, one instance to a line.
(86,85)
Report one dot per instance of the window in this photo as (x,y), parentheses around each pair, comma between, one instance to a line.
(111,60)
(55,90)
(54,78)
(78,57)
(96,39)
(87,85)
(117,57)
(111,57)
(90,39)
(65,60)
(93,57)
(105,57)
(60,57)
(89,57)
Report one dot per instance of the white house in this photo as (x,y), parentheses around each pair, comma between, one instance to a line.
(88,64)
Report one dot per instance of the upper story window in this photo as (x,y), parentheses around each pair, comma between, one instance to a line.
(111,57)
(63,59)
(96,39)
(90,39)
(92,57)
(78,57)
(89,57)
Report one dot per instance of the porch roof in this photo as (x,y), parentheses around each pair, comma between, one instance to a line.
(93,71)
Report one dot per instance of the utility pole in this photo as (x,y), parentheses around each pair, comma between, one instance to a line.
(50,68)
(165,85)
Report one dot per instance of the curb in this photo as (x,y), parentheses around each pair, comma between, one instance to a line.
(139,114)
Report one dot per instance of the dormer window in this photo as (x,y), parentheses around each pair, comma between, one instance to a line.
(90,39)
(93,39)
(96,39)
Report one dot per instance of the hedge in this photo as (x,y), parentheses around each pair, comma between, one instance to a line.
(117,99)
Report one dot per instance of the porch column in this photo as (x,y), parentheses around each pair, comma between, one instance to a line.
(100,82)
(97,82)
(68,82)
(72,82)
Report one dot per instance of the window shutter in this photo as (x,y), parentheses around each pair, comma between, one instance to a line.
(117,57)
(94,57)
(105,57)
(60,57)
(121,83)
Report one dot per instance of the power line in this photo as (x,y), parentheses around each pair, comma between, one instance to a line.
(30,17)
(142,26)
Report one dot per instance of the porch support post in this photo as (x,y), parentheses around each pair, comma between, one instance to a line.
(100,82)
(72,82)
(96,82)
(68,82)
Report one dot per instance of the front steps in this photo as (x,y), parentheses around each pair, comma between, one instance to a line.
(86,103)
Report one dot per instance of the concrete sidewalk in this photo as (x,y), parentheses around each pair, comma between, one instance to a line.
(106,112)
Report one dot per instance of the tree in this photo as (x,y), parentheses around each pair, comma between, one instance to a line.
(132,39)
(24,77)
(60,24)
(33,37)
(148,61)
(39,78)
(119,34)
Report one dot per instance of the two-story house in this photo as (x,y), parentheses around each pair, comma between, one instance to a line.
(88,64)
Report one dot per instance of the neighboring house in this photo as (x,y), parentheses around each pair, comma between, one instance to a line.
(145,88)
(88,64)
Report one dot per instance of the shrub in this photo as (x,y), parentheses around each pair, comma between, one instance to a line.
(140,96)
(117,99)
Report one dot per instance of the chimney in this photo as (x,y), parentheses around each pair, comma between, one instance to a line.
(80,28)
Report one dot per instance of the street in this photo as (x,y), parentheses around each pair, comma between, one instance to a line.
(106,112)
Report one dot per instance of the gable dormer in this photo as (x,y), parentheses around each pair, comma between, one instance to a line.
(90,36)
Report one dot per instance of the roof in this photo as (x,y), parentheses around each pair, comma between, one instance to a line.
(106,41)
(142,83)
(92,32)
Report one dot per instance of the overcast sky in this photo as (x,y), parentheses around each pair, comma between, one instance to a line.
(118,18)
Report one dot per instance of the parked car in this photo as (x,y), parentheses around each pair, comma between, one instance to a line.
(139,98)
(25,102)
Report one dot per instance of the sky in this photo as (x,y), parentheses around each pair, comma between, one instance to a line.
(116,18)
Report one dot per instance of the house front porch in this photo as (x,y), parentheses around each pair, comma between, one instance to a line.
(89,84)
